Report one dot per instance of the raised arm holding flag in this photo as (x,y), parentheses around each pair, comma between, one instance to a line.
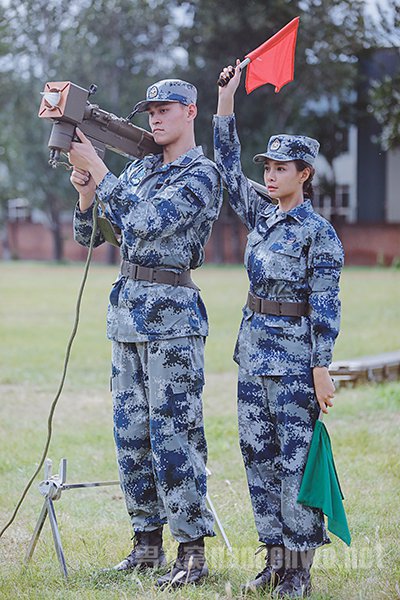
(272,62)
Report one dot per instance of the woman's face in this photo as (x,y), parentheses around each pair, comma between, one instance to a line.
(283,180)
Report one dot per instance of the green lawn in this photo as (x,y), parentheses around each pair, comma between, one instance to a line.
(37,312)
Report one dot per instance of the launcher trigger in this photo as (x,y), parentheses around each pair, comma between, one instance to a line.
(75,137)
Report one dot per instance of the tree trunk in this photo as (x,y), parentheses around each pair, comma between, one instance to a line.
(56,229)
(4,238)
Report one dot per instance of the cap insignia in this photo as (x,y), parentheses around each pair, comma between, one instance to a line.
(276,144)
(153,91)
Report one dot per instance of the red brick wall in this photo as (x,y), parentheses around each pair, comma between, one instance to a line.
(33,241)
(370,244)
(364,244)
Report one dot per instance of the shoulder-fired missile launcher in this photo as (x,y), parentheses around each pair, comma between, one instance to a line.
(67,106)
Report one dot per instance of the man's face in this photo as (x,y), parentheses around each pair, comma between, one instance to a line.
(168,121)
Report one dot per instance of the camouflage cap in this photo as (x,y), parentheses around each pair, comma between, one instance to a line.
(284,147)
(168,90)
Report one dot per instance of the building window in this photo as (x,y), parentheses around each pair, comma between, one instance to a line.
(339,208)
(342,196)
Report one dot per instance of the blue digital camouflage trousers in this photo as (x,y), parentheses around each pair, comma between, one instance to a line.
(159,434)
(276,416)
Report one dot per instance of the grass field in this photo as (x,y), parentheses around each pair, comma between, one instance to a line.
(37,311)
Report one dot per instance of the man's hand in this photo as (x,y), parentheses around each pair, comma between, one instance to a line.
(324,388)
(85,185)
(226,93)
(82,156)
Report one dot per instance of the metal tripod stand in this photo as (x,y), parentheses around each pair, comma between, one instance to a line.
(51,488)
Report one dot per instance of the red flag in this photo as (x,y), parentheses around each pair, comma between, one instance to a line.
(273,61)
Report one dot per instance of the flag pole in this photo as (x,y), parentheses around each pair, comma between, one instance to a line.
(244,63)
(223,82)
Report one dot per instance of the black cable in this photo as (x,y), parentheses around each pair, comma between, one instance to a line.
(64,373)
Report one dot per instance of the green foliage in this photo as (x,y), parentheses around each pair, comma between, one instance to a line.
(316,103)
(385,106)
(109,42)
(383,98)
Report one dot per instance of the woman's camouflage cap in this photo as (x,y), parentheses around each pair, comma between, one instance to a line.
(168,90)
(284,147)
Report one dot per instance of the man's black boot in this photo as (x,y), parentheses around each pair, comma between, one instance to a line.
(189,567)
(272,573)
(147,552)
(296,582)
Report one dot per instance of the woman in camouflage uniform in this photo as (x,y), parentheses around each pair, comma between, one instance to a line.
(290,322)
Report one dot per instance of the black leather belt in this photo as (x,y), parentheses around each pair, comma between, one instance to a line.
(138,272)
(274,307)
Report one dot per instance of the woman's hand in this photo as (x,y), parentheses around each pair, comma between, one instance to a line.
(324,388)
(226,93)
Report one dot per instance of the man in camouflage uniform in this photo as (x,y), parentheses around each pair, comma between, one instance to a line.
(291,319)
(164,206)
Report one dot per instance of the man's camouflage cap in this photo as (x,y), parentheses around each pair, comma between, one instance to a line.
(284,147)
(168,90)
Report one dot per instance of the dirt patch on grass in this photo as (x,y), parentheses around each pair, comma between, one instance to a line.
(33,405)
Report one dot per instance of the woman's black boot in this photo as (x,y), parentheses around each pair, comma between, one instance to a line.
(273,571)
(296,581)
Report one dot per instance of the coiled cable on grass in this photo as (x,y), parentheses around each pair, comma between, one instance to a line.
(64,372)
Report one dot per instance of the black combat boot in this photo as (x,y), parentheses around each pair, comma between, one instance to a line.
(189,567)
(296,582)
(147,552)
(272,573)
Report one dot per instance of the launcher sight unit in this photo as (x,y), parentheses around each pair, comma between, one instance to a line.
(67,106)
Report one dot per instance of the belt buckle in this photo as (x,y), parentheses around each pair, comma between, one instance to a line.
(132,270)
(252,303)
(152,275)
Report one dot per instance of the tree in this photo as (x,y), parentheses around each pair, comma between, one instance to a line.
(319,102)
(385,106)
(384,92)
(117,44)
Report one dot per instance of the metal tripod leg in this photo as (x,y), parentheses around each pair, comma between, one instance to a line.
(36,533)
(42,517)
(218,522)
(50,488)
(56,536)
(48,509)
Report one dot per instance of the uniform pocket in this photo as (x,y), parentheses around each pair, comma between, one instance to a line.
(115,292)
(284,262)
(287,249)
(247,313)
(186,404)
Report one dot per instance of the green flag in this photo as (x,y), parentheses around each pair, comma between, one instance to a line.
(320,487)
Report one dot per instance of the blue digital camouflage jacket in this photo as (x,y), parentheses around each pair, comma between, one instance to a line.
(293,257)
(165,214)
